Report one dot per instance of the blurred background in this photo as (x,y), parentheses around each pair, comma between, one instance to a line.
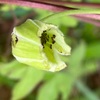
(79,81)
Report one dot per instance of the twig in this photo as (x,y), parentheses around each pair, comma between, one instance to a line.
(87,20)
(34,4)
(58,6)
(66,3)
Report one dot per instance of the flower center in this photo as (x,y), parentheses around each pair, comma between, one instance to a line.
(47,39)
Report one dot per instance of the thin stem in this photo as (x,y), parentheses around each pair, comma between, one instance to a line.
(71,12)
(88,20)
(34,4)
(88,16)
(71,4)
(58,6)
(86,91)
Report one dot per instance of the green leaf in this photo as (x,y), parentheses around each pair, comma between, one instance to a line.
(76,59)
(17,10)
(14,70)
(77,55)
(59,83)
(6,81)
(86,91)
(93,50)
(64,83)
(66,20)
(42,13)
(88,68)
(49,91)
(30,80)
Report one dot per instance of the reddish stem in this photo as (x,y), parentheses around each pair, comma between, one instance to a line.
(57,6)
(89,16)
(88,20)
(34,4)
(66,3)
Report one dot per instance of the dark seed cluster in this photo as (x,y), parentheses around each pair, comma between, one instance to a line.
(16,39)
(53,37)
(13,42)
(46,38)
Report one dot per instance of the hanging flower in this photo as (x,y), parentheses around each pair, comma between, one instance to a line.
(39,45)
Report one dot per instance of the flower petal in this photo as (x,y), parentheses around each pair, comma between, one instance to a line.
(28,31)
(59,44)
(39,44)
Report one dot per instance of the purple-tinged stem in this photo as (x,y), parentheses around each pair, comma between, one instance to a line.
(87,20)
(57,7)
(66,3)
(89,16)
(49,7)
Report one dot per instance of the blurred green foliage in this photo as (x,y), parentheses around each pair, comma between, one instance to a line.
(27,83)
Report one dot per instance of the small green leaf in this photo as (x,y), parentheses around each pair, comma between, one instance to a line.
(76,59)
(78,54)
(64,83)
(93,50)
(86,91)
(30,80)
(59,83)
(14,70)
(49,91)
(89,67)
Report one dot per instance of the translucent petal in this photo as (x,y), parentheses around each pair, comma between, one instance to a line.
(54,60)
(59,44)
(39,44)
(28,31)
(25,49)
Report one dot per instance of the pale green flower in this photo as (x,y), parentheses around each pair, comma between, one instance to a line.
(39,45)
